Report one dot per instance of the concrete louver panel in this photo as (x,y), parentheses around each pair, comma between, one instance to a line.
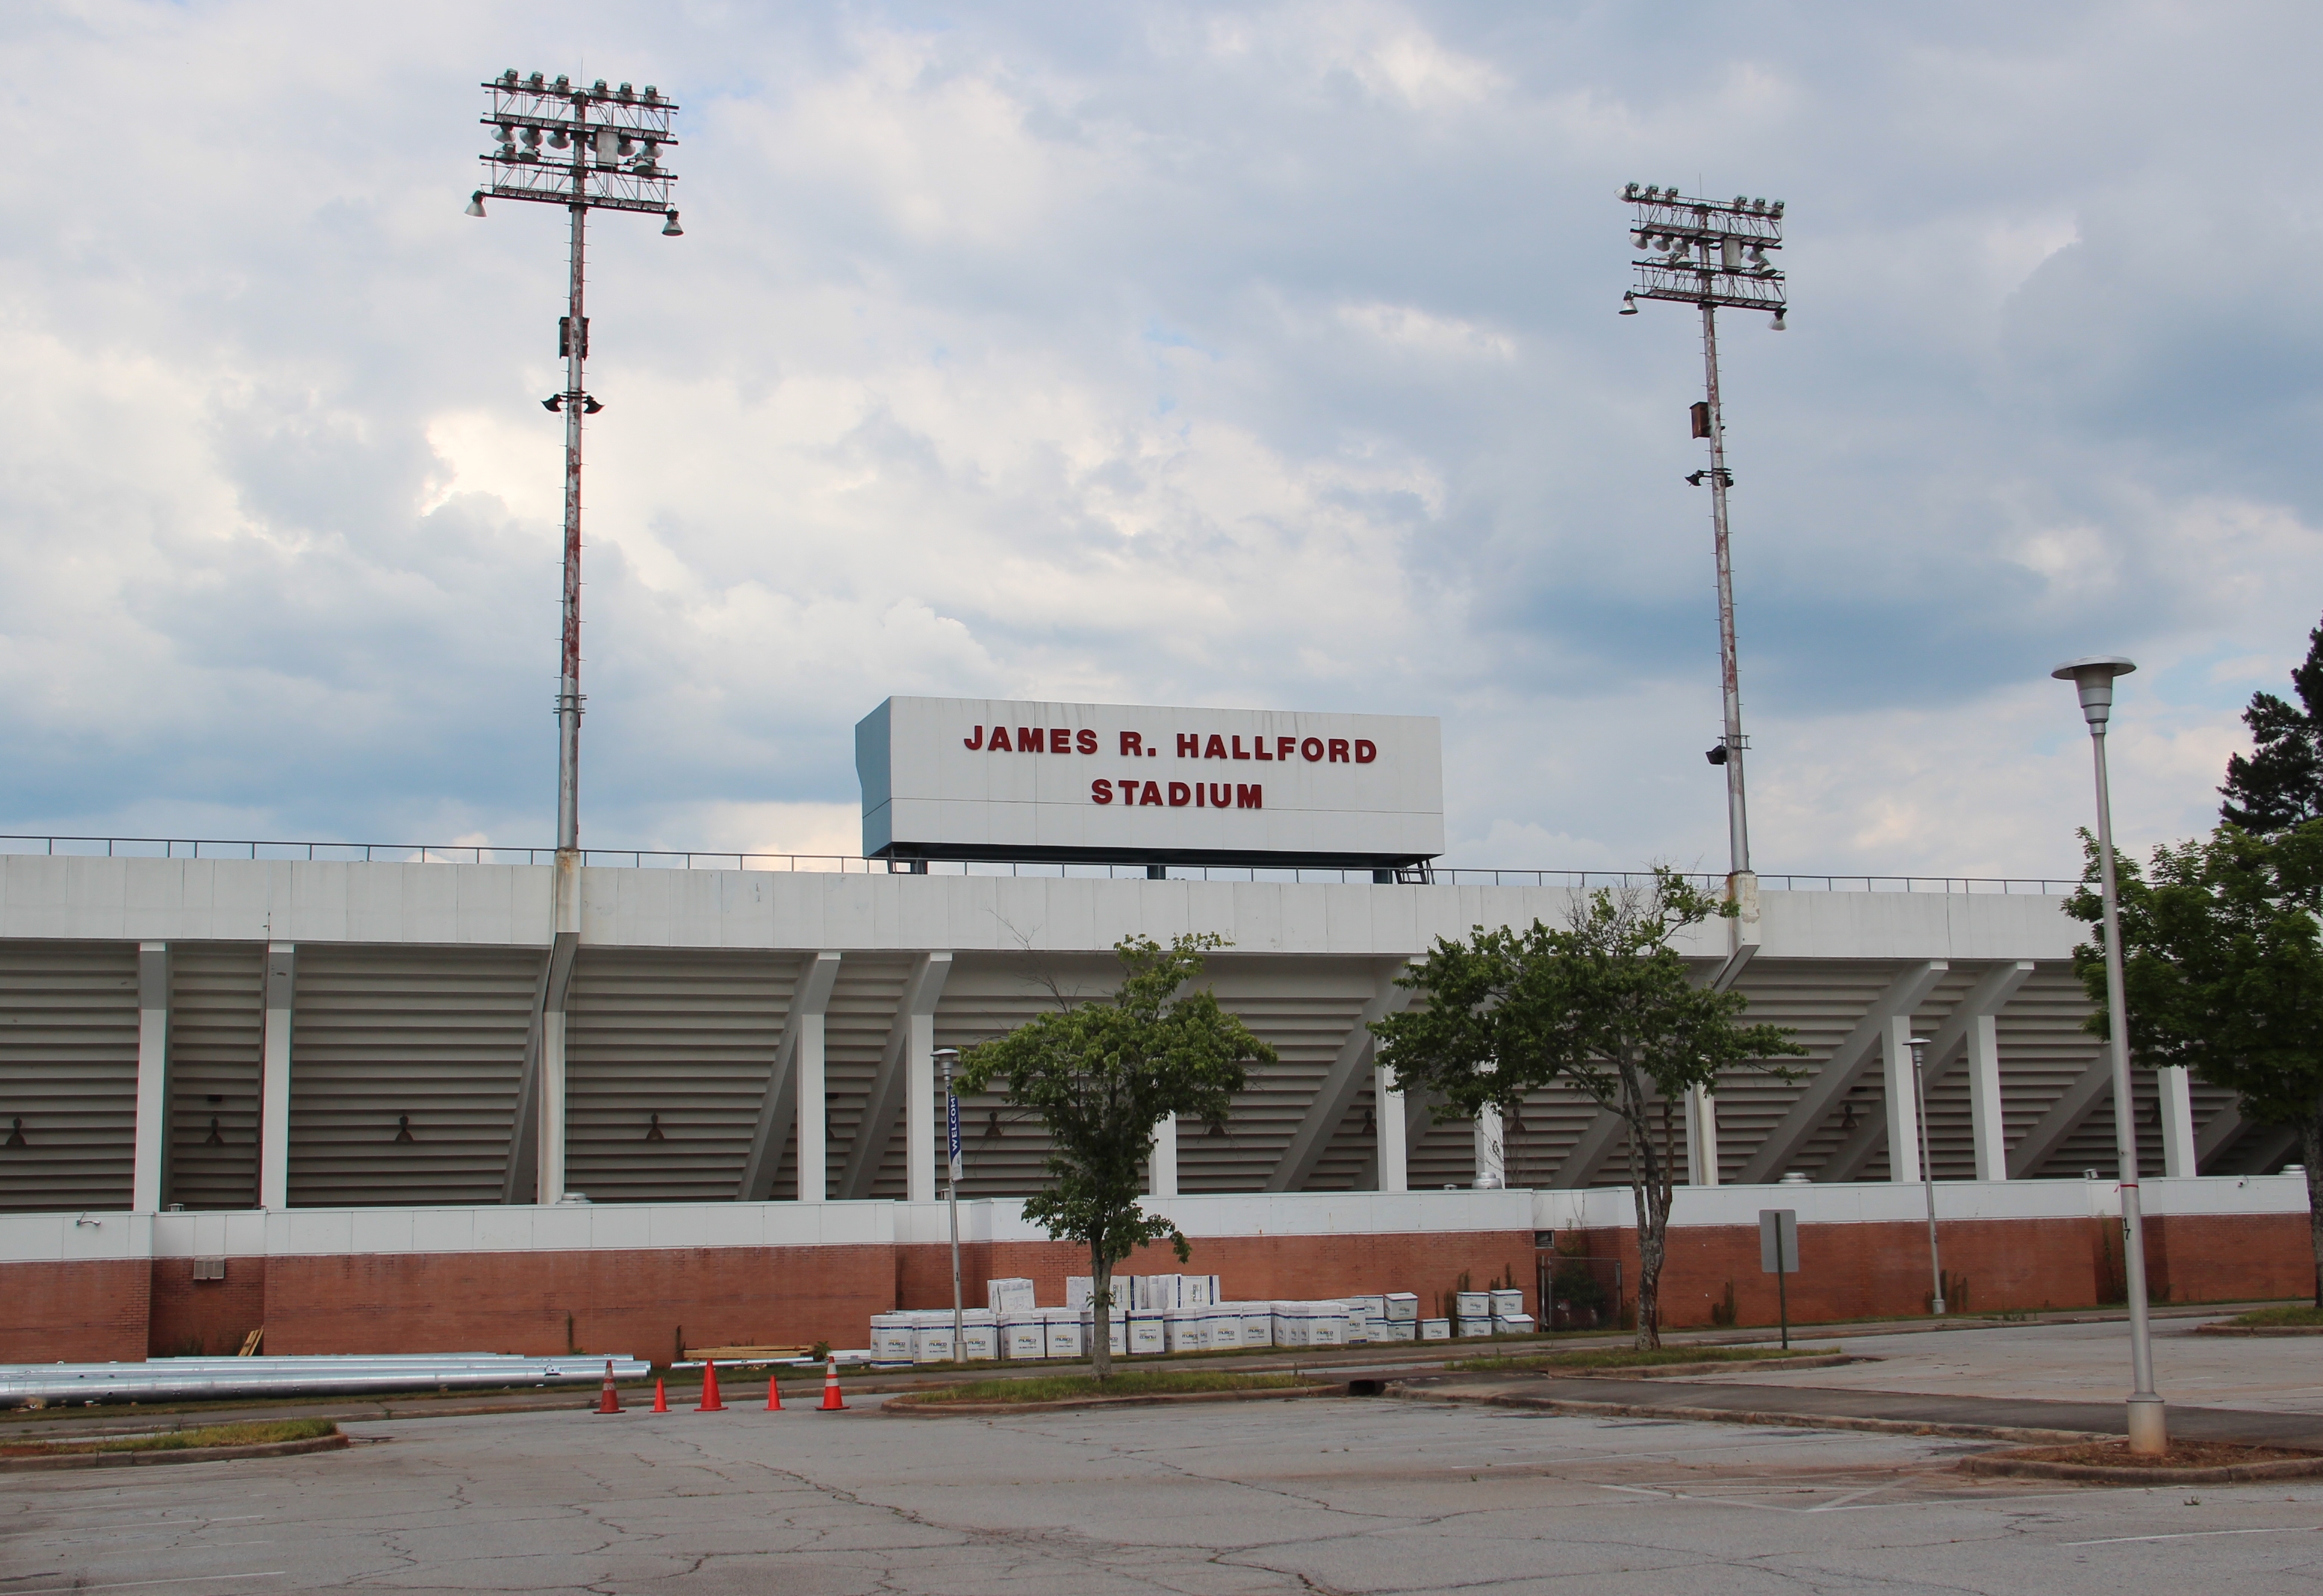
(787,1081)
(1347,1076)
(67,1073)
(666,1058)
(857,1025)
(1004,1150)
(217,1031)
(404,1069)
(887,1109)
(1302,1007)
(1818,1098)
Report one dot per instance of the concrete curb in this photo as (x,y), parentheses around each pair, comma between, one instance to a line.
(907,1407)
(169,1454)
(1682,1371)
(2258,1329)
(1803,1421)
(2035,1468)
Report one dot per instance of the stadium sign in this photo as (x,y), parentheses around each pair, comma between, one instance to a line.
(960,778)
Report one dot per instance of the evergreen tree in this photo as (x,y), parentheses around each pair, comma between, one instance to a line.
(2280,784)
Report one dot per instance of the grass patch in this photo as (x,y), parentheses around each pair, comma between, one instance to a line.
(1630,1357)
(2292,1314)
(257,1433)
(1128,1382)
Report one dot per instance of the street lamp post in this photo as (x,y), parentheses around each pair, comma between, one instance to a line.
(583,149)
(1927,1172)
(2149,1431)
(946,1058)
(1708,253)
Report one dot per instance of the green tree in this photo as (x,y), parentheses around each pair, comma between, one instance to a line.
(1100,1076)
(2222,966)
(2280,784)
(1604,1004)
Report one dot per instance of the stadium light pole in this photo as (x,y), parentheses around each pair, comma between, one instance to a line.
(1710,254)
(584,149)
(2149,1428)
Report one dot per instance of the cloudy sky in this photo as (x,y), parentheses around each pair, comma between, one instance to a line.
(1256,355)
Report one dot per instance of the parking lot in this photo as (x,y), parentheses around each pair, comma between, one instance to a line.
(1315,1495)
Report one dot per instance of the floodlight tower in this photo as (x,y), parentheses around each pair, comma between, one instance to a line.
(584,149)
(1712,253)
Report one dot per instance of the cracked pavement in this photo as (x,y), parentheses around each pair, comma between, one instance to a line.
(1333,1495)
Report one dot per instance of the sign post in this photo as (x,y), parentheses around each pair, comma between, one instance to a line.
(1778,1255)
(948,1057)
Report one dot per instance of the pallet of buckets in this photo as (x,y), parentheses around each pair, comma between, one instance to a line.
(1154,1315)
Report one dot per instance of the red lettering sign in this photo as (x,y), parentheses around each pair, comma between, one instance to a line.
(1100,791)
(974,742)
(1258,748)
(1000,743)
(1338,750)
(1180,795)
(1311,750)
(1366,750)
(1215,748)
(1152,795)
(1133,746)
(1248,795)
(1086,741)
(1282,746)
(1221,795)
(1190,745)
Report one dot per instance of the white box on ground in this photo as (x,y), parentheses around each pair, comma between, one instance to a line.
(1513,1325)
(1148,1335)
(1466,1328)
(1010,1296)
(1062,1330)
(1435,1329)
(1507,1301)
(1472,1305)
(931,1343)
(1022,1337)
(1398,1330)
(979,1342)
(1287,1324)
(1374,1307)
(1402,1308)
(890,1338)
(1257,1323)
(1184,1330)
(1077,1290)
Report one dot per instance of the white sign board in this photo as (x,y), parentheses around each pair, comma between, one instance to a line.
(966,778)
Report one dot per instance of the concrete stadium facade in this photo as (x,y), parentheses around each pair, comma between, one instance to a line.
(343,1099)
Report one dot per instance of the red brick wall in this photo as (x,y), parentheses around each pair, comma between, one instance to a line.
(83,1312)
(637,1303)
(2228,1258)
(1252,1269)
(205,1316)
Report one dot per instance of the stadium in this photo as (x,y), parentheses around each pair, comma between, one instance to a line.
(391,1100)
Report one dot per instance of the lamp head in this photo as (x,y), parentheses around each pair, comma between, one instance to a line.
(2094,676)
(476,203)
(670,229)
(1630,303)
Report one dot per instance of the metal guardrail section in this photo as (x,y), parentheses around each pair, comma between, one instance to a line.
(187,1379)
(418,853)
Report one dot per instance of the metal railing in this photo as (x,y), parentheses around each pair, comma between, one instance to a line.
(417,853)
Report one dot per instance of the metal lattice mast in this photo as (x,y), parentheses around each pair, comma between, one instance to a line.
(1712,254)
(584,149)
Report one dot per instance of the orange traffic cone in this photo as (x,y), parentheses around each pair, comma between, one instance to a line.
(609,1401)
(774,1396)
(709,1402)
(832,1400)
(661,1397)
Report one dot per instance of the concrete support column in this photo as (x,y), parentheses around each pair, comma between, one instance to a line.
(1392,1131)
(1987,1128)
(548,1158)
(922,1125)
(2176,1120)
(274,1085)
(1902,1120)
(813,1112)
(149,1177)
(1701,1136)
(1161,1164)
(1491,1150)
